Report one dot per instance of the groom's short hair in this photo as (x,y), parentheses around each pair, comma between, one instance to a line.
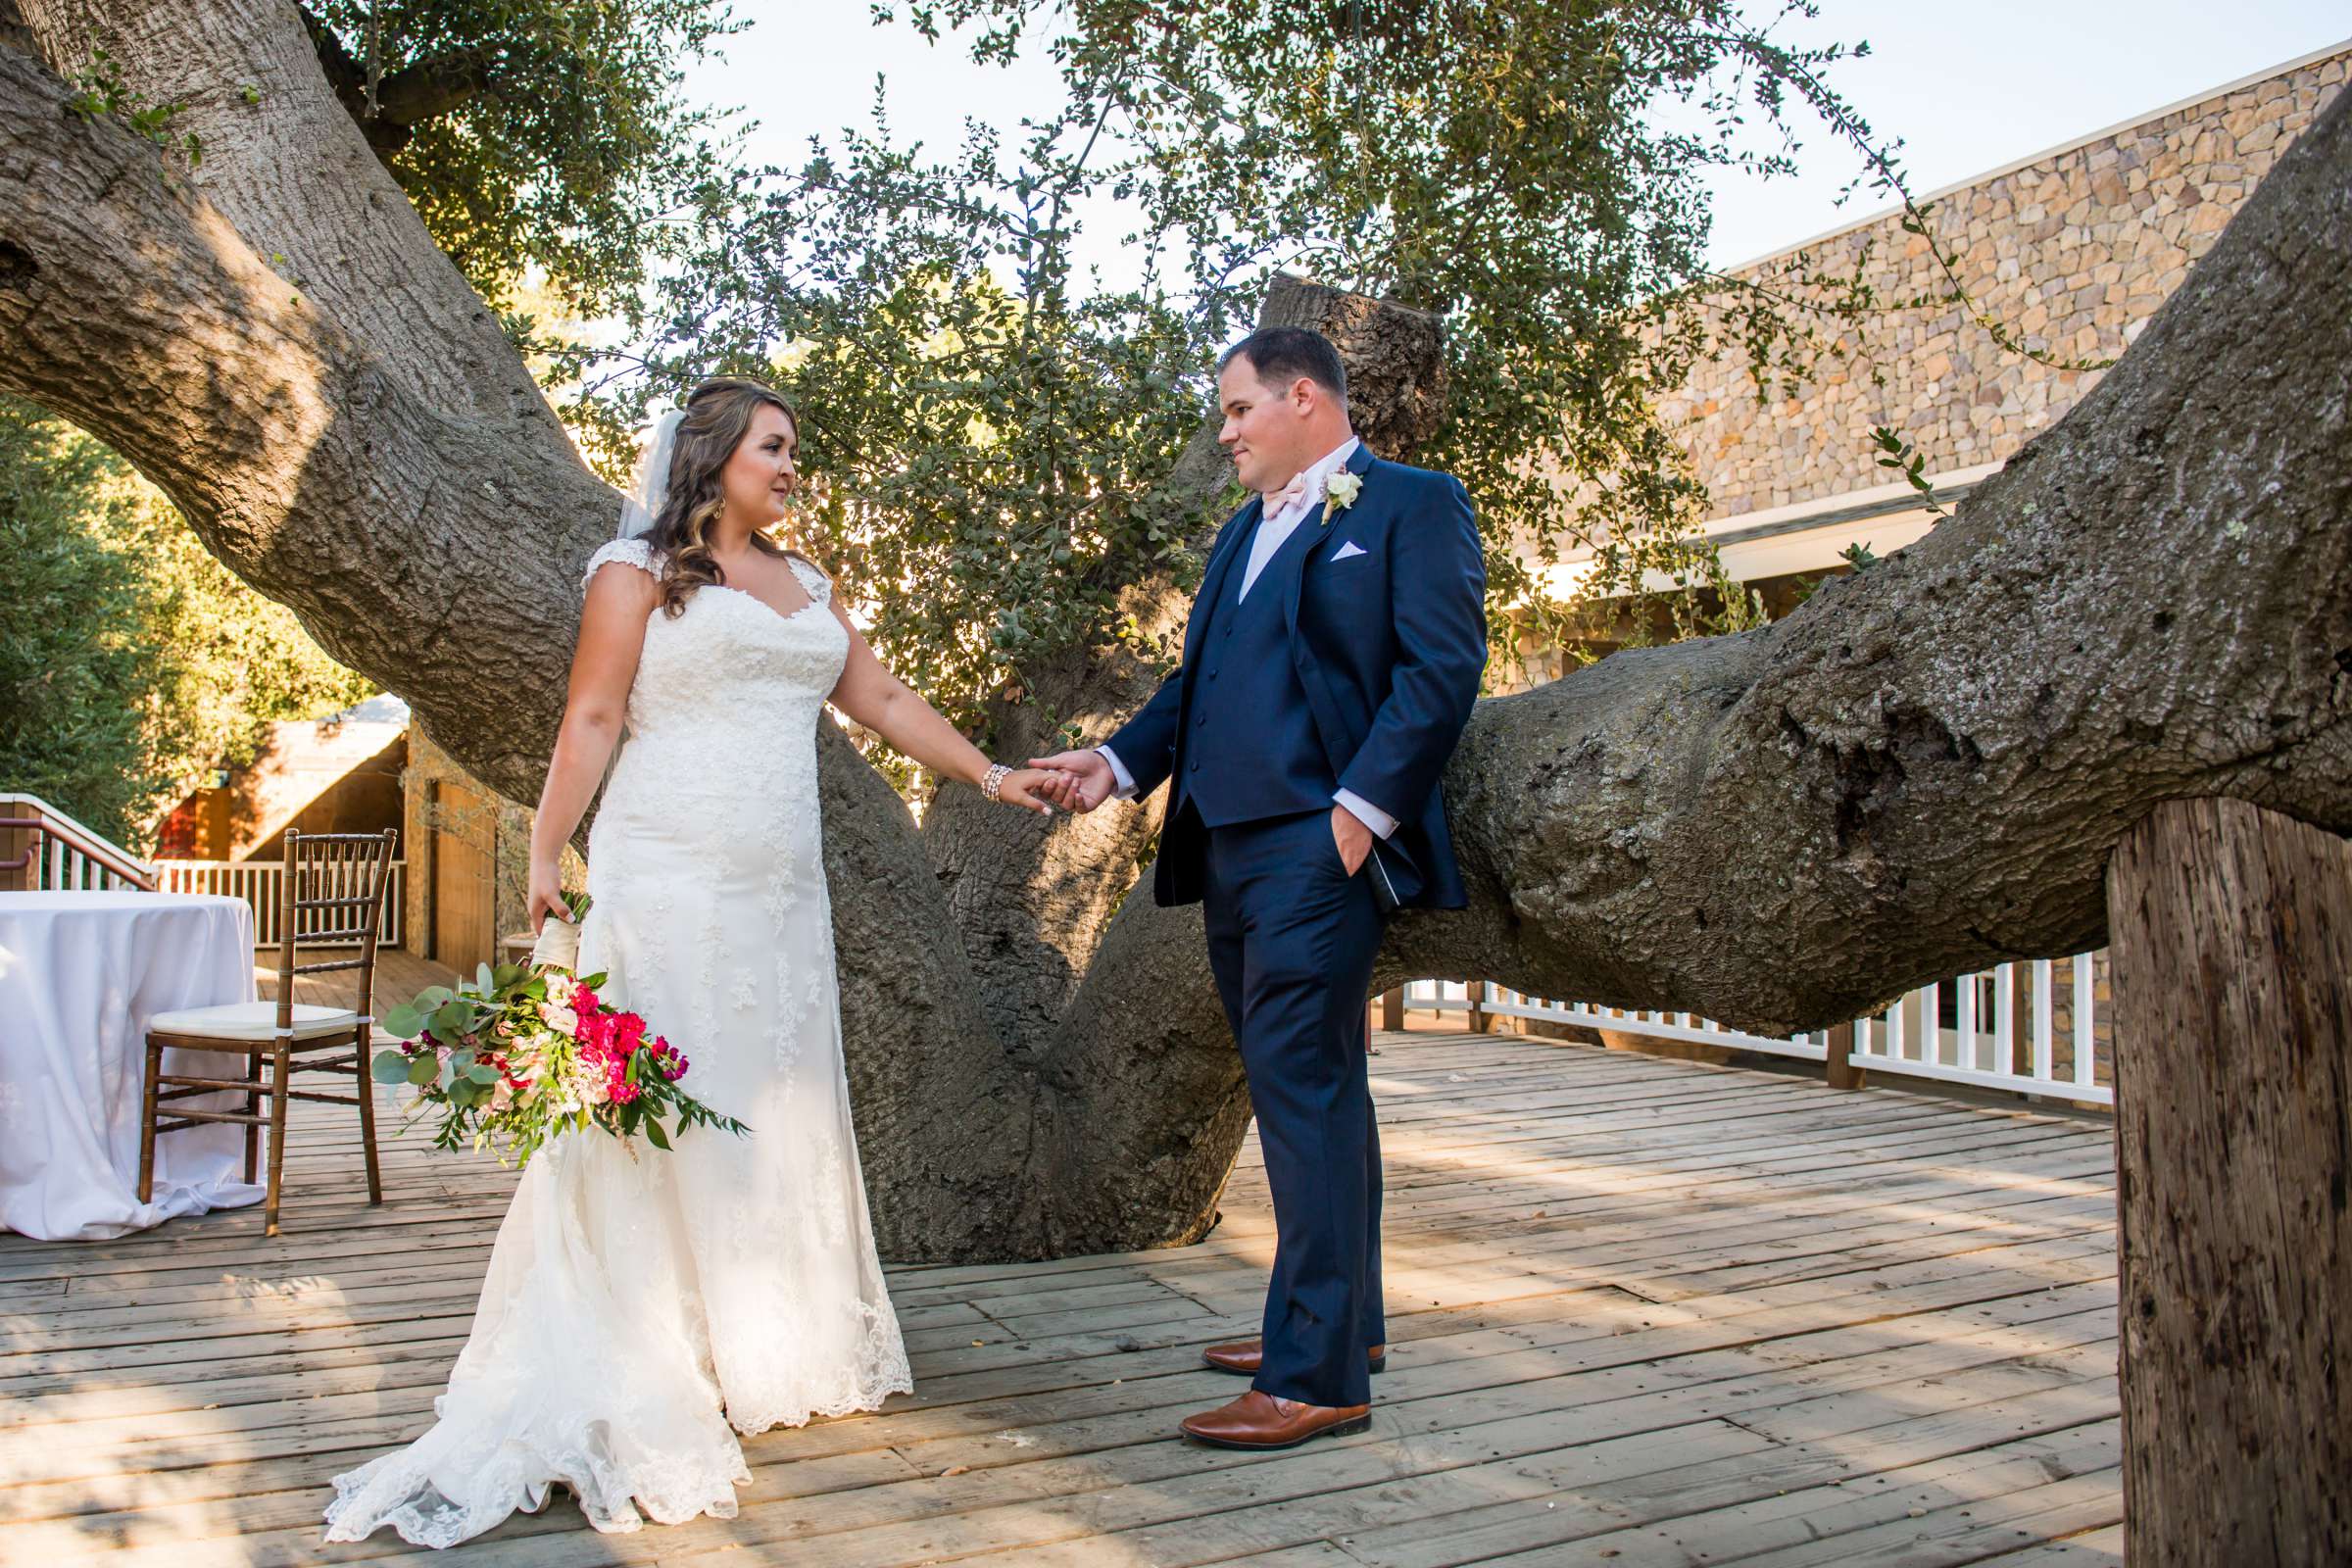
(1282,355)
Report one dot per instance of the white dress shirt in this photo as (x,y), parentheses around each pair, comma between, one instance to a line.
(1273,532)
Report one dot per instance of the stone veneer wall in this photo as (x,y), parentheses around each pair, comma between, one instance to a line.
(2071,253)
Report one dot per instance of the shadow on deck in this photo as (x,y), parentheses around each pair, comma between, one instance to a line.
(1641,1313)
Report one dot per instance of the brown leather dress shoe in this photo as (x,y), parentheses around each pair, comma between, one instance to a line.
(1246,1357)
(1258,1420)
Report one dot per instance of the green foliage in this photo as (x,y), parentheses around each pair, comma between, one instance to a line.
(132,663)
(1898,453)
(534,133)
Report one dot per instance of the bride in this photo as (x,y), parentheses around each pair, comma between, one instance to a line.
(639,1312)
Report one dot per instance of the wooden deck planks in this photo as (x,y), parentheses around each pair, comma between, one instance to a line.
(1662,1310)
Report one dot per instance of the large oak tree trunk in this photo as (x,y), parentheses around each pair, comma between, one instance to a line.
(1922,771)
(2232,932)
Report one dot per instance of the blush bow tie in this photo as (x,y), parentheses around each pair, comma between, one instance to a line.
(1276,501)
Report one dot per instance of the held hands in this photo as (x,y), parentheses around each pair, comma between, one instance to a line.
(1034,789)
(1083,779)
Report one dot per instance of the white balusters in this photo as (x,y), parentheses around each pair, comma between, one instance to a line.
(1988,1058)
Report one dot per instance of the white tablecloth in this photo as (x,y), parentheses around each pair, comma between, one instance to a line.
(80,974)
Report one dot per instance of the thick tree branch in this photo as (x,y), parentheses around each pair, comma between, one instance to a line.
(1920,772)
(287,166)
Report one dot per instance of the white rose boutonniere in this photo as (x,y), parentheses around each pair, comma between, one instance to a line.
(1339,492)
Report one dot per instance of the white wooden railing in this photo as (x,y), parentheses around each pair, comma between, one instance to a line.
(46,850)
(2004,1033)
(263,884)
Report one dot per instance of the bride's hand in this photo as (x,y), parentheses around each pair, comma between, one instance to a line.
(1033,788)
(546,897)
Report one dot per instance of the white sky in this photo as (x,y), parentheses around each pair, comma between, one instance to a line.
(1966,88)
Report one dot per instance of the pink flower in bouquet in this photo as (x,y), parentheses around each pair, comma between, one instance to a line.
(593,1032)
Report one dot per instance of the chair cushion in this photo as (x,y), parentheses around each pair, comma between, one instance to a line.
(252,1020)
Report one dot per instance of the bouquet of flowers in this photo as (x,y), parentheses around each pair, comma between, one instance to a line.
(524,1053)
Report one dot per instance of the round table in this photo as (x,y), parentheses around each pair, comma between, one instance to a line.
(80,974)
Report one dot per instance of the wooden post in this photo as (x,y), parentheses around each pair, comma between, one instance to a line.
(1843,1074)
(2231,944)
(2021,1020)
(23,843)
(1392,1008)
(1478,1006)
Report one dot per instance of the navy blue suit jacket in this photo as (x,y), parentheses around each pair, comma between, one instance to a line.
(1388,644)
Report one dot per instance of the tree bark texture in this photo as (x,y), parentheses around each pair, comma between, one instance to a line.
(1920,771)
(2232,952)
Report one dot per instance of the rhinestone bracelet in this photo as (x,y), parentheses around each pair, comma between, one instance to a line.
(991,787)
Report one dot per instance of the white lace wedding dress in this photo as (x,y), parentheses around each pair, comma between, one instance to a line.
(635,1310)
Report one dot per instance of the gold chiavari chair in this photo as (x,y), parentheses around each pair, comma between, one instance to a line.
(344,873)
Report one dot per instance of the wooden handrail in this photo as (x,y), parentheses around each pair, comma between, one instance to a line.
(44,821)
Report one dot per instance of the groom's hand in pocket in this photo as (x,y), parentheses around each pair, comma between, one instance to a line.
(1354,839)
(1087,779)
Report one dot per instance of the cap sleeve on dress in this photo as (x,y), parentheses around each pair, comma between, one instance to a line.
(819,586)
(629,551)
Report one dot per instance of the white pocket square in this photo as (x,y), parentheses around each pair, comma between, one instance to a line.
(1349,551)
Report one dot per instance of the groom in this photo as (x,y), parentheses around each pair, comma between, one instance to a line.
(1330,663)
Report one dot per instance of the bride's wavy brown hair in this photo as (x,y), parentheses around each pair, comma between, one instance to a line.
(717,415)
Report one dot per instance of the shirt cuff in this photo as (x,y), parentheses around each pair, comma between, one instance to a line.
(1372,817)
(1118,771)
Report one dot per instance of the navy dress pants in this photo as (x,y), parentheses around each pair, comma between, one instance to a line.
(1292,938)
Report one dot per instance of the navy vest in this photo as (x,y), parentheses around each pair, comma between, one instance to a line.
(1254,751)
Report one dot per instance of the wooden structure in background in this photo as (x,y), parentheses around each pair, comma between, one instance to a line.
(465,900)
(459,836)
